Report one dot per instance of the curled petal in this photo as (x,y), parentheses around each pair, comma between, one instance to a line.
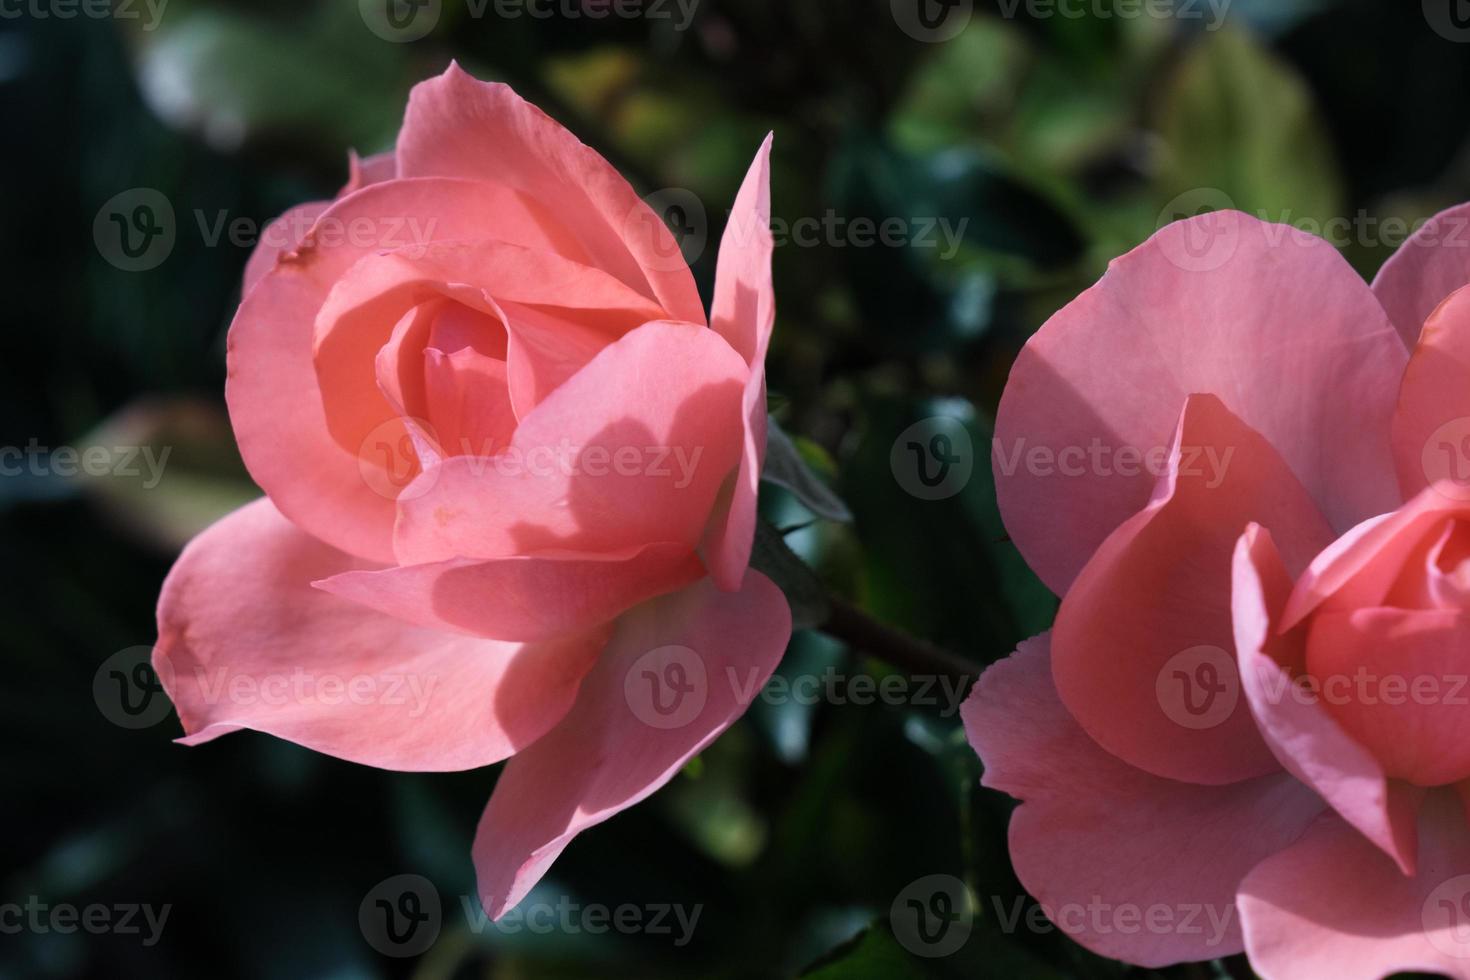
(677,673)
(1143,644)
(1431,264)
(246,642)
(1271,321)
(1095,839)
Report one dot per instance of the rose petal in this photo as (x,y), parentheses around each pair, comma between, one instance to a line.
(1146,627)
(744,313)
(458,126)
(1096,840)
(523,599)
(478,275)
(281,235)
(1299,730)
(1431,429)
(1396,681)
(1272,321)
(1362,566)
(1333,905)
(1431,264)
(246,642)
(273,394)
(632,449)
(372,169)
(624,739)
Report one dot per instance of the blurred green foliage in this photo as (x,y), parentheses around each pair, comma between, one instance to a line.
(1047,145)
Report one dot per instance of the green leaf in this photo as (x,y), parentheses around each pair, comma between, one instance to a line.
(786,467)
(1238,120)
(877,956)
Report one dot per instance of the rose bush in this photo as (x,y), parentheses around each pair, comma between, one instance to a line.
(1246,729)
(510,477)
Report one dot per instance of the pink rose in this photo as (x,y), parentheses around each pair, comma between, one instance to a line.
(511,481)
(1249,727)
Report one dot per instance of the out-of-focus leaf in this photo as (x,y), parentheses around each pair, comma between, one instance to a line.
(1238,120)
(787,467)
(939,568)
(963,85)
(876,956)
(165,470)
(787,721)
(960,213)
(230,76)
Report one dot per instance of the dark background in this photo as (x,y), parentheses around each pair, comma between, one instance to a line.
(1061,141)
